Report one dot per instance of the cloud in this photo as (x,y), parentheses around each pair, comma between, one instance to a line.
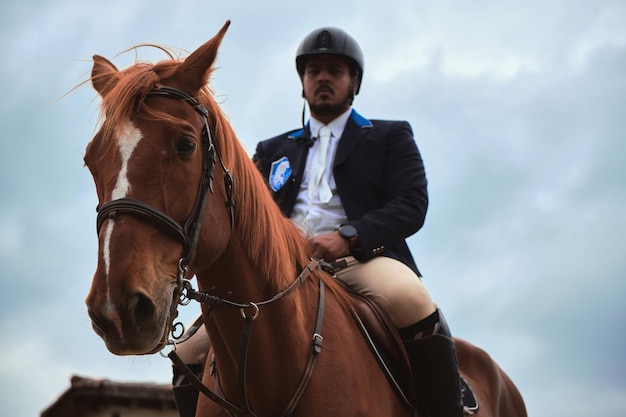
(605,29)
(516,107)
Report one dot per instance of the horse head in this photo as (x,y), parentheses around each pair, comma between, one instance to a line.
(153,161)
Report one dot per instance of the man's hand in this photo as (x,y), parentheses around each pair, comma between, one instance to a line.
(329,246)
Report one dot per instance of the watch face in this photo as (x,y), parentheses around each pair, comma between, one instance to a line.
(348,232)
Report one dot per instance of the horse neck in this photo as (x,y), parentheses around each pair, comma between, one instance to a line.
(281,333)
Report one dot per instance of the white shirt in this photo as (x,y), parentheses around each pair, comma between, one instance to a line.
(310,215)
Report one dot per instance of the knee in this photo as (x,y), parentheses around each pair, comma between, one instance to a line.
(195,349)
(409,304)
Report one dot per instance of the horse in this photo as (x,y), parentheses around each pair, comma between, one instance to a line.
(179,197)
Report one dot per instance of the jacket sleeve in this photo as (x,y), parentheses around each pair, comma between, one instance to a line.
(259,159)
(388,197)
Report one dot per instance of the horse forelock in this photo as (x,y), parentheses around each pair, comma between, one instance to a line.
(122,102)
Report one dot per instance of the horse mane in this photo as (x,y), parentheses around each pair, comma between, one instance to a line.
(269,235)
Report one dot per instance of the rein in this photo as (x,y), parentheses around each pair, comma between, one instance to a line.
(316,346)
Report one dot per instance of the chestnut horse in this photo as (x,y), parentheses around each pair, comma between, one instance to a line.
(179,197)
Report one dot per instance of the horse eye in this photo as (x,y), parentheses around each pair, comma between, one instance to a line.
(185,146)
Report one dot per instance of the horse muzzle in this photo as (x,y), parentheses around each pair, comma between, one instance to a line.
(133,326)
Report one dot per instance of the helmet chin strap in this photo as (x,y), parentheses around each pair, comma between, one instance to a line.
(305,132)
(351,96)
(303,107)
(354,88)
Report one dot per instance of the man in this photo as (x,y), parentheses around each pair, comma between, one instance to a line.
(357,190)
(358,197)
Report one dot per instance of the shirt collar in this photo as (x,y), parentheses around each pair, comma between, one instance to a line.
(336,126)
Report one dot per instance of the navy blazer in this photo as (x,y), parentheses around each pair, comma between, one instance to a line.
(380,179)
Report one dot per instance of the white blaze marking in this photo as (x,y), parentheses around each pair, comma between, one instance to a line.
(127,142)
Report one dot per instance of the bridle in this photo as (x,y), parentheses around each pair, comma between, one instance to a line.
(189,231)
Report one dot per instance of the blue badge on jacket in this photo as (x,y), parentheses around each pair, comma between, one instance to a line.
(280,171)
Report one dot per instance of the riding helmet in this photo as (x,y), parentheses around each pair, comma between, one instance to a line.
(331,40)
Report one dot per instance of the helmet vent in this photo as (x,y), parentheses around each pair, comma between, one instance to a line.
(324,41)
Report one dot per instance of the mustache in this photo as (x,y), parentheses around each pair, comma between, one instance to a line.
(324,89)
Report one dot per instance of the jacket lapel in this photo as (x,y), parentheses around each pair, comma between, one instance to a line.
(356,128)
(298,149)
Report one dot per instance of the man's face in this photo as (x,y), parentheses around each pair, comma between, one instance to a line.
(328,85)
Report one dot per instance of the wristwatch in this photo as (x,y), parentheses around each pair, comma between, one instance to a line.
(348,232)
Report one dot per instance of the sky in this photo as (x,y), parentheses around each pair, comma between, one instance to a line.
(518,109)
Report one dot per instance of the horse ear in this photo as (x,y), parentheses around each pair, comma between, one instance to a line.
(104,75)
(195,71)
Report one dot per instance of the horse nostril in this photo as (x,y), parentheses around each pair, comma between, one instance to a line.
(142,310)
(95,322)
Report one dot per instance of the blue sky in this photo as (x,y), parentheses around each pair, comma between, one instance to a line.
(519,110)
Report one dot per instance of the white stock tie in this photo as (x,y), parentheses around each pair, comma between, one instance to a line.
(317,178)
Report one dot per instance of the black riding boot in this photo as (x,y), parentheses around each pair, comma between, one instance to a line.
(185,394)
(436,372)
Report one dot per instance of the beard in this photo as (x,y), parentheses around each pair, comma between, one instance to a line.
(330,109)
(326,109)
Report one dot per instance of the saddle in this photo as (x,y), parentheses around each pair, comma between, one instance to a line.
(388,350)
(386,346)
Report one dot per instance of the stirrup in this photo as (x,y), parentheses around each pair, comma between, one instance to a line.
(470,404)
